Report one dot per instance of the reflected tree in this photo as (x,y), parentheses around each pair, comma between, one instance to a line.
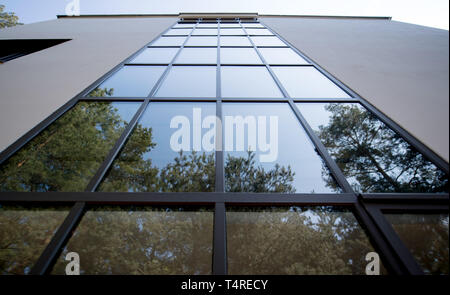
(373,157)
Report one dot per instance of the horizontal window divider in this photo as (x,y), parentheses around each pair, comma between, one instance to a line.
(224,46)
(331,100)
(256,99)
(199,46)
(272,199)
(406,198)
(160,46)
(290,65)
(145,64)
(112,98)
(183,99)
(194,64)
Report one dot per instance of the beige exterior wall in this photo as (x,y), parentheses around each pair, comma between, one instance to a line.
(401,69)
(36,85)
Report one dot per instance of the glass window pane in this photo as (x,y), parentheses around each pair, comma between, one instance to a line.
(281,56)
(156,56)
(295,241)
(142,241)
(372,156)
(239,56)
(202,41)
(212,25)
(205,32)
(227,31)
(189,81)
(173,32)
(267,150)
(248,82)
(197,56)
(236,25)
(130,81)
(234,41)
(307,82)
(159,156)
(250,25)
(426,236)
(267,41)
(66,155)
(24,234)
(169,41)
(258,32)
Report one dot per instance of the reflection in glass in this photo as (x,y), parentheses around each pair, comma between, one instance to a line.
(212,25)
(234,41)
(202,41)
(203,32)
(67,154)
(250,25)
(148,162)
(240,81)
(307,82)
(142,241)
(426,236)
(197,56)
(267,41)
(258,32)
(24,234)
(186,25)
(373,157)
(178,32)
(131,81)
(189,81)
(295,241)
(289,165)
(227,31)
(156,56)
(239,56)
(169,41)
(281,56)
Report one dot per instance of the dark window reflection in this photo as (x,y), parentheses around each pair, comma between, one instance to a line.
(295,241)
(426,236)
(288,164)
(24,234)
(148,162)
(373,157)
(67,154)
(144,240)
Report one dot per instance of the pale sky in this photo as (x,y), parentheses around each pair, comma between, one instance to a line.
(431,13)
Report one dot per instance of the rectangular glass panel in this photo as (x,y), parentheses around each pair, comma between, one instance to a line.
(307,82)
(204,32)
(426,236)
(373,157)
(267,41)
(189,81)
(156,56)
(239,56)
(281,56)
(258,32)
(130,81)
(242,81)
(66,155)
(169,41)
(236,25)
(202,41)
(295,241)
(212,25)
(197,56)
(234,41)
(226,31)
(24,234)
(175,32)
(250,25)
(267,150)
(187,25)
(142,241)
(168,151)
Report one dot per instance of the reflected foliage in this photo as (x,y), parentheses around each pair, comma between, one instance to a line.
(118,240)
(373,157)
(295,241)
(65,155)
(427,238)
(101,92)
(24,234)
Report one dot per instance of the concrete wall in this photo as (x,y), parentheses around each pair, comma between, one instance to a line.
(401,69)
(34,86)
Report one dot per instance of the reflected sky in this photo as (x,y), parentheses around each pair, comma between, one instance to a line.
(294,147)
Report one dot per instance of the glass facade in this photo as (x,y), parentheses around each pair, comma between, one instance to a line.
(250,142)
